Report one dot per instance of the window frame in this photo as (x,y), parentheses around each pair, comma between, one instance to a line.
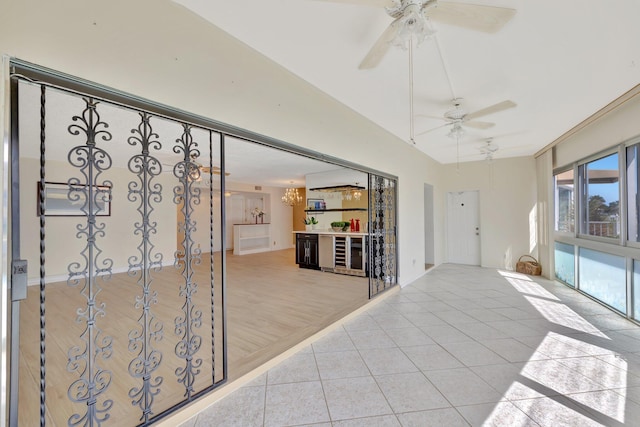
(582,204)
(634,141)
(622,246)
(557,172)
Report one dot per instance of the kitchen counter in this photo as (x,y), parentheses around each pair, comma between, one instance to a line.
(331,232)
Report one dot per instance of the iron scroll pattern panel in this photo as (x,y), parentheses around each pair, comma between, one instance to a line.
(83,359)
(382,234)
(187,196)
(146,193)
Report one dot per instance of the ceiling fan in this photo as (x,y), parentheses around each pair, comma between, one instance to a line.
(489,149)
(458,117)
(413,18)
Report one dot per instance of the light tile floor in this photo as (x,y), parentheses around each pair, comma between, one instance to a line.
(460,346)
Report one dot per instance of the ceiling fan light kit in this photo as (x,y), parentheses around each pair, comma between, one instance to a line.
(412,23)
(456,131)
(489,149)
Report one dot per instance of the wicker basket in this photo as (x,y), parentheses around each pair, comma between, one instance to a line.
(532,268)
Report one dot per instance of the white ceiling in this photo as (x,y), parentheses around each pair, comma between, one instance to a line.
(559,61)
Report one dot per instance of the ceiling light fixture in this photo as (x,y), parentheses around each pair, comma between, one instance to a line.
(489,150)
(456,131)
(414,24)
(291,196)
(357,194)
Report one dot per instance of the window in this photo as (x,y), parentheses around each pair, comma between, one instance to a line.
(600,205)
(565,263)
(604,277)
(565,207)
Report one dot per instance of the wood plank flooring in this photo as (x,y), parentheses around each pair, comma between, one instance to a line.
(271,306)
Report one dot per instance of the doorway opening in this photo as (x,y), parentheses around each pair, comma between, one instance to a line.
(136,302)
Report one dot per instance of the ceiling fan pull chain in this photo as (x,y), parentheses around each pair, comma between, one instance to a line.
(411,131)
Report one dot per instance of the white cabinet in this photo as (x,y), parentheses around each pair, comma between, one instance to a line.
(251,238)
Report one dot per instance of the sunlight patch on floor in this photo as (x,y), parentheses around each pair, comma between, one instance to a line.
(574,370)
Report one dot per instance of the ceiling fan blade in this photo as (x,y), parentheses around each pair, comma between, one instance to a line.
(381,3)
(381,46)
(488,19)
(478,125)
(504,105)
(432,129)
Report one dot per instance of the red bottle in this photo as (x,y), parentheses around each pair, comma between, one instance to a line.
(353,225)
(357,225)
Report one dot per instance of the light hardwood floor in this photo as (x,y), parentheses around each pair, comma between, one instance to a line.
(271,306)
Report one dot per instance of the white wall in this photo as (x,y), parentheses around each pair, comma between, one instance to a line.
(119,242)
(616,127)
(196,67)
(279,215)
(276,213)
(507,189)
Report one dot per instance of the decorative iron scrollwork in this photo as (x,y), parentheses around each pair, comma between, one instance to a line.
(187,196)
(382,234)
(83,359)
(146,193)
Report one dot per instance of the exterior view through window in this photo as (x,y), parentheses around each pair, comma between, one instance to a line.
(601,212)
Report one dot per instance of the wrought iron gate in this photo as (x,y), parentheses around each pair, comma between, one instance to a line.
(382,234)
(120,208)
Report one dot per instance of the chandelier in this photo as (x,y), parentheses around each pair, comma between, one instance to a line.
(291,197)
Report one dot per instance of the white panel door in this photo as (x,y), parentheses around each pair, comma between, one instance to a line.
(463,227)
